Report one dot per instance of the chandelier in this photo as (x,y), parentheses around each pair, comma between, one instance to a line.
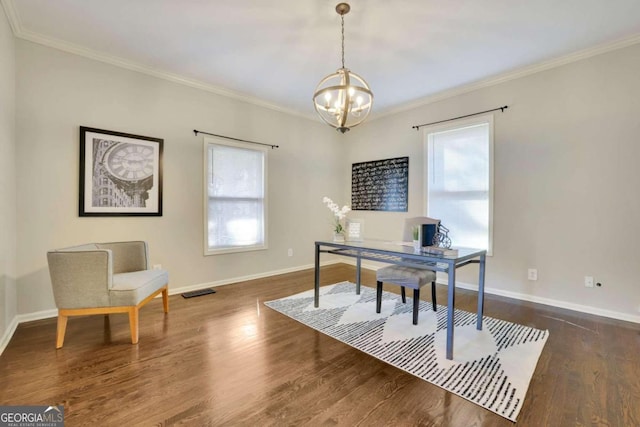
(343,99)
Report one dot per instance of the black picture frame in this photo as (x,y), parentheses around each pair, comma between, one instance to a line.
(120,174)
(380,185)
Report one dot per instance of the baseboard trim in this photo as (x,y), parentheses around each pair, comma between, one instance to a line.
(8,334)
(550,302)
(38,315)
(233,280)
(23,318)
(531,298)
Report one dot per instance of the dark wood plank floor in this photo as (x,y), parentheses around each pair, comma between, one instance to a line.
(226,359)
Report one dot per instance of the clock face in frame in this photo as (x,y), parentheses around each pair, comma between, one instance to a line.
(130,162)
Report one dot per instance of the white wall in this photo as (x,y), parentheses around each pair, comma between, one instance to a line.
(8,301)
(57,92)
(566,177)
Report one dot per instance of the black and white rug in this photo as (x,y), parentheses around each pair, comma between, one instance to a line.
(491,368)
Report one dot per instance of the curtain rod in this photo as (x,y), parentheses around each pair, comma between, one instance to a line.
(196,132)
(417,127)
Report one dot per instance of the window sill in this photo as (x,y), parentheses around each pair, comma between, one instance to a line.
(232,250)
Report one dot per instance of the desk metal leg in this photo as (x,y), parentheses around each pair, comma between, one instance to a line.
(316,295)
(481,293)
(451,306)
(358,264)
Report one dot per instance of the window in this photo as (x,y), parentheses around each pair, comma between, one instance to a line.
(235,200)
(459,180)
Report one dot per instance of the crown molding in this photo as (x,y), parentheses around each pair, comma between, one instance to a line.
(12,16)
(512,75)
(175,78)
(19,32)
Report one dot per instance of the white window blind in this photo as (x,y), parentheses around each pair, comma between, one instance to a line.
(235,197)
(459,162)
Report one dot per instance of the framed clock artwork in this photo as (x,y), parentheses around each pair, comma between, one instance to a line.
(120,174)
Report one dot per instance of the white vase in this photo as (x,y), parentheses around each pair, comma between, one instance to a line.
(338,237)
(416,246)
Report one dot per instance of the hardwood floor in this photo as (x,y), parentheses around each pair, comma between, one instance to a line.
(227,360)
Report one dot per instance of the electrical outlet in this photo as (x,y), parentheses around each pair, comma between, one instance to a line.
(290,252)
(157,266)
(588,281)
(532,274)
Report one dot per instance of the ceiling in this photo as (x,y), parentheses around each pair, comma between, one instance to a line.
(275,53)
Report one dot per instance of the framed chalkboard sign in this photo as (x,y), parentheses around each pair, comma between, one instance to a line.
(380,185)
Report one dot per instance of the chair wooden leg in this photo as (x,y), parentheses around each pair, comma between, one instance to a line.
(416,305)
(165,299)
(133,324)
(62,328)
(403,293)
(433,296)
(378,297)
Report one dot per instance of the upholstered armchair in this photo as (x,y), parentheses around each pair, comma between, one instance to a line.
(104,278)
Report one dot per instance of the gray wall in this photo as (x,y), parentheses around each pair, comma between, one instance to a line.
(565,155)
(8,301)
(57,92)
(566,175)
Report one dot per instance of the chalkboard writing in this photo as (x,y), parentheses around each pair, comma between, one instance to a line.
(380,185)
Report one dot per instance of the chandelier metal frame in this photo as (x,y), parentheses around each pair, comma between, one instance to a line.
(343,99)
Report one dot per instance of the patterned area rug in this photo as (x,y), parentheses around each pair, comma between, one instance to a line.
(491,368)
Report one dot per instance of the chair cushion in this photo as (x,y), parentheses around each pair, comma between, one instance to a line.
(405,276)
(132,288)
